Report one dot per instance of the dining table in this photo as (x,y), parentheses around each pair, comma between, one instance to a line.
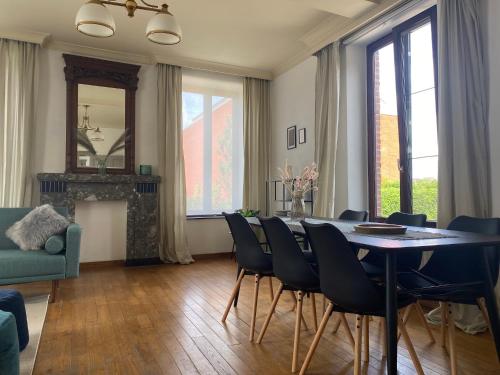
(416,239)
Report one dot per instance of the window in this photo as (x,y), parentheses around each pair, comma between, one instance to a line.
(212,118)
(402,125)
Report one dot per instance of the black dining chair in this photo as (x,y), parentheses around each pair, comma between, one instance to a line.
(352,215)
(251,259)
(456,277)
(295,274)
(349,289)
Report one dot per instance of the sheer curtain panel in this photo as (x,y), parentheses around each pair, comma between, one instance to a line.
(18,93)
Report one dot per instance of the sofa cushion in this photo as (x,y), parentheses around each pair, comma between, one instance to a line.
(31,232)
(16,264)
(55,244)
(13,302)
(9,345)
(9,216)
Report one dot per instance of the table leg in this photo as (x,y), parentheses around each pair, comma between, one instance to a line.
(235,303)
(391,312)
(491,302)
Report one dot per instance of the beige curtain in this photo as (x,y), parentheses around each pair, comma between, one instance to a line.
(256,139)
(173,240)
(464,177)
(326,126)
(18,94)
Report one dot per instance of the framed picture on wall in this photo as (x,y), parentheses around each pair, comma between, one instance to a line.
(291,137)
(302,135)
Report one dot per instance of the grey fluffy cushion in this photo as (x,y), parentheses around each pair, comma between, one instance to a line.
(33,230)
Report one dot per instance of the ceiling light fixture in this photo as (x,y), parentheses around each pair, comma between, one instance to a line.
(94,19)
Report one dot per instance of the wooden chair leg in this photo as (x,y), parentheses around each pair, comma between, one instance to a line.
(343,320)
(270,313)
(384,345)
(324,303)
(484,311)
(294,298)
(315,317)
(366,338)
(233,294)
(337,324)
(357,344)
(254,308)
(444,323)
(296,338)
(409,346)
(271,291)
(53,293)
(451,340)
(421,315)
(406,316)
(317,338)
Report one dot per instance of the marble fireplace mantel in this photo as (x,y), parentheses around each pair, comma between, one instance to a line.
(140,193)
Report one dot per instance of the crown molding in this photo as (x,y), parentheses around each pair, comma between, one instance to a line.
(100,53)
(216,67)
(330,31)
(154,59)
(25,36)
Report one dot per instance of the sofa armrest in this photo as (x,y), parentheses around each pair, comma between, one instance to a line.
(73,235)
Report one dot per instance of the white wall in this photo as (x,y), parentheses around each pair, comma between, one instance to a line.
(292,103)
(204,236)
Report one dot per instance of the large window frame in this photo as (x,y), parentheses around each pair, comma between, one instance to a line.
(399,38)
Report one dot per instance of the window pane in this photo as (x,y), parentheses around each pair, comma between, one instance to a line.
(387,185)
(193,123)
(222,153)
(424,147)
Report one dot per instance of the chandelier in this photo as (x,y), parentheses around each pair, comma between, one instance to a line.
(94,19)
(85,125)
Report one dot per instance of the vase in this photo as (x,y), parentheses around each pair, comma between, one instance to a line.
(101,167)
(297,211)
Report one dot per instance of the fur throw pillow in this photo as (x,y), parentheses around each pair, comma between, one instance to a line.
(33,230)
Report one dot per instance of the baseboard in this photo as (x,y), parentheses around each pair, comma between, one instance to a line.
(143,262)
(105,263)
(212,256)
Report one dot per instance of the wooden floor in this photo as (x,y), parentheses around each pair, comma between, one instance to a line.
(166,320)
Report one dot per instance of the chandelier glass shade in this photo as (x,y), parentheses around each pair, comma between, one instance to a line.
(94,19)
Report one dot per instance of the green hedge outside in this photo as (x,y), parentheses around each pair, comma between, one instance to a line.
(424,197)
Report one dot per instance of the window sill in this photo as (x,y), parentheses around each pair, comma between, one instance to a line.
(204,217)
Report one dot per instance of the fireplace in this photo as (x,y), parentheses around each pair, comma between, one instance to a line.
(140,193)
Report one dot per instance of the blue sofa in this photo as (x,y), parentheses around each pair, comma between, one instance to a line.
(17,266)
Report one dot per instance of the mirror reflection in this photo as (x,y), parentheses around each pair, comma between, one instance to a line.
(101,132)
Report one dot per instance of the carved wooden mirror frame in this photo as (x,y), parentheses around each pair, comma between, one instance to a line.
(85,70)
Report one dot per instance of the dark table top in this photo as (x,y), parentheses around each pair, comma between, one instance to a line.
(386,243)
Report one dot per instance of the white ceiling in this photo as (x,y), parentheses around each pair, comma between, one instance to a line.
(256,34)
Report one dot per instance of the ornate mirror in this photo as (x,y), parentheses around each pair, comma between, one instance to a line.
(100,115)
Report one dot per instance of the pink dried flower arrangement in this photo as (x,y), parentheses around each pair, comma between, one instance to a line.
(301,184)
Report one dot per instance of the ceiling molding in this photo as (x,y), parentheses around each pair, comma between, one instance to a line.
(326,27)
(25,36)
(331,31)
(214,67)
(151,59)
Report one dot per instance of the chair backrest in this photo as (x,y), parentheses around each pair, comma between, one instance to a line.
(413,220)
(465,265)
(289,263)
(249,253)
(342,278)
(354,215)
(410,260)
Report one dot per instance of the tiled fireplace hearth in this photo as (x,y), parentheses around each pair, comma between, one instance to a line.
(140,193)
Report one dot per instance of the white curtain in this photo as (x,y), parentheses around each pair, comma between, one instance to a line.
(18,94)
(326,126)
(464,174)
(256,139)
(173,240)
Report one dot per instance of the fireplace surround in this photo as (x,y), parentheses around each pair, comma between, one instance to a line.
(140,193)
